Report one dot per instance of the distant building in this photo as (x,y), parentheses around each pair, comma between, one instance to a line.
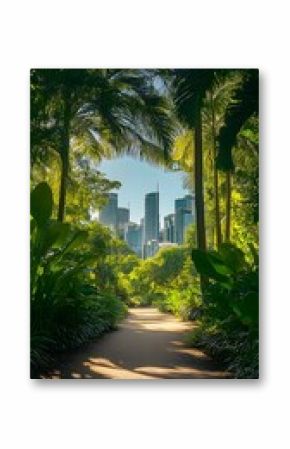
(133,236)
(151,248)
(169,228)
(162,235)
(151,217)
(167,245)
(184,215)
(123,219)
(108,215)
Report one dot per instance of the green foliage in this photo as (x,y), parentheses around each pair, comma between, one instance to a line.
(69,305)
(228,327)
(184,303)
(228,268)
(167,281)
(41,196)
(98,113)
(245,105)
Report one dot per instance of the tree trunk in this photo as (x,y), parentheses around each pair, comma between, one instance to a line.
(199,200)
(216,179)
(198,179)
(228,205)
(64,158)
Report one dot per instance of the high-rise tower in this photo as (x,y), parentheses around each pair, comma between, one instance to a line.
(184,215)
(151,216)
(169,228)
(108,215)
(123,220)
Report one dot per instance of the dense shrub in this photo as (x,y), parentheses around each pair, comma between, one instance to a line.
(184,303)
(229,324)
(166,281)
(227,312)
(70,301)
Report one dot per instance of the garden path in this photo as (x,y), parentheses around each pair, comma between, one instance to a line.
(147,345)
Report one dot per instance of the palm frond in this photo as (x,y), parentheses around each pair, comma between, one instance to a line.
(190,86)
(245,105)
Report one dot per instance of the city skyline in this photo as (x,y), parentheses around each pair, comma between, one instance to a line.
(150,234)
(138,178)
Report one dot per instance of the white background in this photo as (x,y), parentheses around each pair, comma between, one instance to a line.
(164,414)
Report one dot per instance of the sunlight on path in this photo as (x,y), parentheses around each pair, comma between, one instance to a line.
(148,345)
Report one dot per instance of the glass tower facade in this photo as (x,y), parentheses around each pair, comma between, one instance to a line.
(184,215)
(109,214)
(123,219)
(151,217)
(169,228)
(133,236)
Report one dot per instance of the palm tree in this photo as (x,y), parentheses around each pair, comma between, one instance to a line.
(216,102)
(191,86)
(244,104)
(213,132)
(115,110)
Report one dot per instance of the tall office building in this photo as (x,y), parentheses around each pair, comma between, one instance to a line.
(133,236)
(151,248)
(123,218)
(151,217)
(108,215)
(184,215)
(169,228)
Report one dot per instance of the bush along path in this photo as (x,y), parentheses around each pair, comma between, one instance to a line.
(149,344)
(70,305)
(226,317)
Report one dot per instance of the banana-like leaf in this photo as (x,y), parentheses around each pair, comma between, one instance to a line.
(247,309)
(211,265)
(41,203)
(233,257)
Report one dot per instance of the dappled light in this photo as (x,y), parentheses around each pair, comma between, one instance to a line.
(156,352)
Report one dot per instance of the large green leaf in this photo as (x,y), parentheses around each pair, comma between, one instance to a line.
(59,232)
(219,264)
(247,309)
(55,234)
(77,239)
(211,265)
(41,203)
(233,257)
(52,234)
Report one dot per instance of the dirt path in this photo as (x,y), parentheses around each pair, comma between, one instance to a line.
(147,345)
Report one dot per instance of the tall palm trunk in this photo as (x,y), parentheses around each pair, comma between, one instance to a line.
(199,200)
(64,157)
(216,178)
(228,205)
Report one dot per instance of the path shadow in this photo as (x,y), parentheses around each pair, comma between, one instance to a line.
(148,345)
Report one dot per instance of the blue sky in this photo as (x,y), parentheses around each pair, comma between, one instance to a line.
(138,178)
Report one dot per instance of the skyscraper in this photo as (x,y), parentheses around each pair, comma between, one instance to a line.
(133,236)
(151,216)
(109,213)
(123,218)
(184,215)
(169,228)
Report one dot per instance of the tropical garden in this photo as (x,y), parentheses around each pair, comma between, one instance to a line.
(203,122)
